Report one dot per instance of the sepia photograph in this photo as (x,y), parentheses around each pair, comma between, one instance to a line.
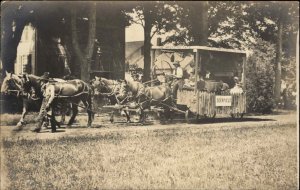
(149,95)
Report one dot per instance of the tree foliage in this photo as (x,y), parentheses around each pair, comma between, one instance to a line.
(276,22)
(192,26)
(156,18)
(260,78)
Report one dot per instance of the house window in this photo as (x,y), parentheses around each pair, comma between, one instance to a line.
(24,59)
(24,63)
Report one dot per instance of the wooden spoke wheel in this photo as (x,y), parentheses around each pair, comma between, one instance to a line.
(190,116)
(210,116)
(237,115)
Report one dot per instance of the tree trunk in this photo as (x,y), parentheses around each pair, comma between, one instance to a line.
(84,56)
(277,89)
(199,22)
(204,24)
(147,46)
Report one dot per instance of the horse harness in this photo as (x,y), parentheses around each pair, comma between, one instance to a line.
(85,89)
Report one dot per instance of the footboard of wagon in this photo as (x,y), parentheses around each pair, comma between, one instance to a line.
(208,104)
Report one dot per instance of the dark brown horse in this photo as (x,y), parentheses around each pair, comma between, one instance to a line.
(71,91)
(14,85)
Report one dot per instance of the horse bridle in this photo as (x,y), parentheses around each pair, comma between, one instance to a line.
(12,83)
(28,88)
(106,87)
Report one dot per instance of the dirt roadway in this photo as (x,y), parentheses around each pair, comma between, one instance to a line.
(106,127)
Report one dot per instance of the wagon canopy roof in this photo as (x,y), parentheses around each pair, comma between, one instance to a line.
(199,48)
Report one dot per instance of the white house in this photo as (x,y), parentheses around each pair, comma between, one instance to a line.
(26,51)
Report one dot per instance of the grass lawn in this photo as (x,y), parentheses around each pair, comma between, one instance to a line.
(262,157)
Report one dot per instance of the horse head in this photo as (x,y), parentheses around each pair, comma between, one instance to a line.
(99,86)
(11,83)
(130,85)
(32,85)
(135,89)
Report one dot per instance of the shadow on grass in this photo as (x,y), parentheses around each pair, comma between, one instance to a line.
(227,120)
(216,120)
(73,127)
(49,131)
(130,124)
(152,121)
(192,121)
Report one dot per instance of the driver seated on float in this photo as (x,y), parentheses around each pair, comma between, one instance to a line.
(178,78)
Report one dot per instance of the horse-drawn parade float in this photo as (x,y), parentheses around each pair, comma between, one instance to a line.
(195,100)
(149,95)
(217,85)
(211,83)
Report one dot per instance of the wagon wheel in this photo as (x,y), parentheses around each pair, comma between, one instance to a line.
(241,115)
(191,116)
(237,115)
(210,116)
(187,116)
(198,117)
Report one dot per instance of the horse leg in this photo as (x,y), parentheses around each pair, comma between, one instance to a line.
(142,116)
(88,106)
(21,123)
(63,114)
(144,105)
(66,109)
(53,109)
(127,116)
(74,113)
(112,117)
(169,114)
(63,118)
(53,121)
(53,118)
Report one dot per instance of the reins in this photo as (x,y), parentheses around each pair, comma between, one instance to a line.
(150,81)
(59,96)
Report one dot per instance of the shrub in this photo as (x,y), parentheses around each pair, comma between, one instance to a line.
(260,78)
